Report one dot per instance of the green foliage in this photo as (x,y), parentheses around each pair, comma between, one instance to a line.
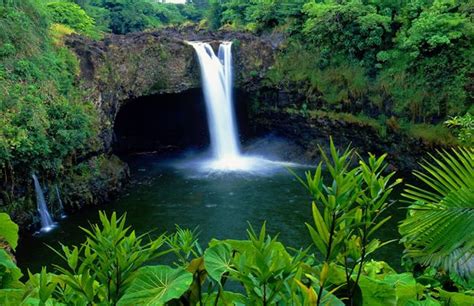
(184,244)
(434,134)
(73,16)
(8,231)
(9,272)
(411,60)
(464,125)
(431,61)
(157,285)
(262,265)
(351,204)
(217,260)
(107,269)
(365,31)
(45,120)
(444,238)
(40,287)
(103,267)
(254,15)
(124,16)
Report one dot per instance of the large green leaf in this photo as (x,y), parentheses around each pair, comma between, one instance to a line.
(9,272)
(11,296)
(456,298)
(406,288)
(377,292)
(217,260)
(224,298)
(156,285)
(8,230)
(439,230)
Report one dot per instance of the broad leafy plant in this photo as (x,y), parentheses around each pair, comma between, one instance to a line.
(156,285)
(10,286)
(439,228)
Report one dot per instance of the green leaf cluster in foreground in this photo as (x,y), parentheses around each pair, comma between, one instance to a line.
(112,266)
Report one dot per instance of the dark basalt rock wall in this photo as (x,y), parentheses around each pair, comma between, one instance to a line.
(403,153)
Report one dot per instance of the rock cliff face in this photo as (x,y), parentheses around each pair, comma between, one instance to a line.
(309,133)
(120,68)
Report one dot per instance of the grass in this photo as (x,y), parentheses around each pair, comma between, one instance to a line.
(359,119)
(434,134)
(429,133)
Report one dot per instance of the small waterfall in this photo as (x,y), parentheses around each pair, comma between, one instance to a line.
(216,73)
(46,222)
(60,202)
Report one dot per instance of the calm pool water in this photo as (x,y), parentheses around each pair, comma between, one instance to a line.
(166,192)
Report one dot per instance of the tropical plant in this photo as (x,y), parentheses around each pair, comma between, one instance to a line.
(260,265)
(439,228)
(346,212)
(464,126)
(103,267)
(184,244)
(124,16)
(10,285)
(156,285)
(46,122)
(8,232)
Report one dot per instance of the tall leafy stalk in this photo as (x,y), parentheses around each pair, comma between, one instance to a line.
(102,268)
(347,205)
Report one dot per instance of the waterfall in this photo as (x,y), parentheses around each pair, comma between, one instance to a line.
(46,221)
(216,74)
(60,202)
(217,84)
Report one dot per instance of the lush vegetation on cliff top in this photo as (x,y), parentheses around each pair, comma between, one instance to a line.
(411,60)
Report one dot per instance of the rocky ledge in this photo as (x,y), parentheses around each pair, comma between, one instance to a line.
(312,132)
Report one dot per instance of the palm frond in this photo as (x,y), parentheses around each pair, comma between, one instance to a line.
(439,230)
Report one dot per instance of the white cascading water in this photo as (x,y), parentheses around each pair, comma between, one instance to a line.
(216,74)
(60,202)
(46,221)
(217,84)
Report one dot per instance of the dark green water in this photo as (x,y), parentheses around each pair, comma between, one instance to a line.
(221,205)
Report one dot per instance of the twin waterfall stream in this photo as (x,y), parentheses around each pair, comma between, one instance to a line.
(217,84)
(216,74)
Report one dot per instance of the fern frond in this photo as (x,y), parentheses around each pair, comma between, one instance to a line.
(439,230)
